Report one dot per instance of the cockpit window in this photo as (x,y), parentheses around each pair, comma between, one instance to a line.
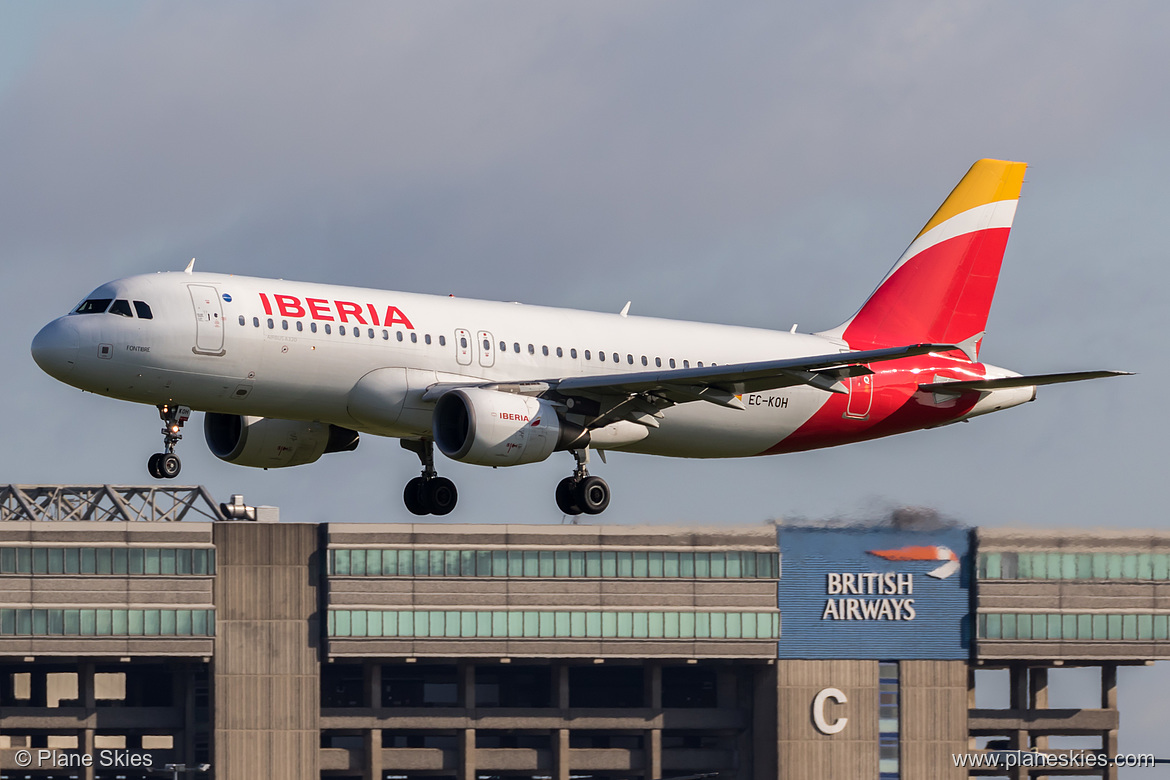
(121,307)
(94,306)
(143,310)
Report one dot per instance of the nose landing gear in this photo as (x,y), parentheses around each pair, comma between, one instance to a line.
(166,464)
(428,494)
(582,493)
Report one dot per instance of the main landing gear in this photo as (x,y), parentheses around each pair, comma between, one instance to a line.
(166,464)
(428,494)
(582,492)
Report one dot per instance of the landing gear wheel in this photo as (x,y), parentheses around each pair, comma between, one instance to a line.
(152,465)
(592,495)
(169,465)
(441,495)
(415,497)
(567,496)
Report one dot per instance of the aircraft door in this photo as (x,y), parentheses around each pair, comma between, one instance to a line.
(487,353)
(860,396)
(463,347)
(208,320)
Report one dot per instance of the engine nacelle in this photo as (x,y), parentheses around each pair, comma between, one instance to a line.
(265,443)
(492,428)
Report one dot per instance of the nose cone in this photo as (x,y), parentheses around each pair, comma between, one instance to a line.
(55,348)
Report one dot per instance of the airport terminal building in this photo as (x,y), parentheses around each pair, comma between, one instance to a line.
(235,649)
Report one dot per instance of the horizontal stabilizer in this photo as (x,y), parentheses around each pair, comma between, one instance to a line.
(1017,381)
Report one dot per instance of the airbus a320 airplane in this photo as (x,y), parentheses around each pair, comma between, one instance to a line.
(288,371)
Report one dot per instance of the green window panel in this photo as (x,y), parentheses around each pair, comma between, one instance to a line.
(525,624)
(547,567)
(655,565)
(563,567)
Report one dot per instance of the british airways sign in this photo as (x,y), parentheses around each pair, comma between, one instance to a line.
(874,593)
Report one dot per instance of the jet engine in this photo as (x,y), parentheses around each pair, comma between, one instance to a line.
(262,442)
(493,428)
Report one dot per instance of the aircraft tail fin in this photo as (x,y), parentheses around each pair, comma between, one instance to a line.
(941,288)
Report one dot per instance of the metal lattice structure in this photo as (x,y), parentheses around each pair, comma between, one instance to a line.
(166,504)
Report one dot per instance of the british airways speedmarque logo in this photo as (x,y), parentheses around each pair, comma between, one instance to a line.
(924,553)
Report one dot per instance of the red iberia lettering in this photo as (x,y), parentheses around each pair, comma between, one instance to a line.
(324,310)
(395,316)
(289,306)
(319,309)
(345,307)
(514,417)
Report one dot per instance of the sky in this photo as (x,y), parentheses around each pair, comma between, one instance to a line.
(759,164)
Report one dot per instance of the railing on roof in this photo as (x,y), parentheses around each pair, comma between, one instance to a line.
(166,504)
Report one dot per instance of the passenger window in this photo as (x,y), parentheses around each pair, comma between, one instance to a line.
(503,346)
(241,319)
(94,306)
(142,309)
(121,307)
(672,362)
(644,361)
(300,326)
(560,353)
(328,329)
(630,359)
(427,338)
(587,354)
(658,362)
(371,333)
(398,334)
(573,353)
(340,329)
(531,350)
(256,322)
(601,356)
(413,337)
(686,364)
(516,347)
(313,326)
(270,324)
(617,359)
(700,364)
(544,350)
(463,342)
(385,335)
(442,341)
(357,332)
(284,324)
(487,346)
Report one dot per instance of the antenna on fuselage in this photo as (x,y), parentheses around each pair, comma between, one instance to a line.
(625,309)
(190,267)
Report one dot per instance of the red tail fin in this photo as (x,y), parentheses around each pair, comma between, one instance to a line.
(940,290)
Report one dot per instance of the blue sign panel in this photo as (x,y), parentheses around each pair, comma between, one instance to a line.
(874,593)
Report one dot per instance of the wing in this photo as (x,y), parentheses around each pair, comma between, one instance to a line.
(640,396)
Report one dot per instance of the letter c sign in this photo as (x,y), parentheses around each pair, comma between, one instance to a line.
(818,711)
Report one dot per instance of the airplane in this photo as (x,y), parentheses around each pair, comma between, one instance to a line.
(286,371)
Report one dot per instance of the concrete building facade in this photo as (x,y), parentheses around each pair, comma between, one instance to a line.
(346,651)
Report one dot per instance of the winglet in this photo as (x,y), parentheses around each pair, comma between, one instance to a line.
(190,267)
(625,312)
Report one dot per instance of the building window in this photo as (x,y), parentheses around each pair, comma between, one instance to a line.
(107,622)
(553,563)
(889,766)
(539,623)
(1073,566)
(106,560)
